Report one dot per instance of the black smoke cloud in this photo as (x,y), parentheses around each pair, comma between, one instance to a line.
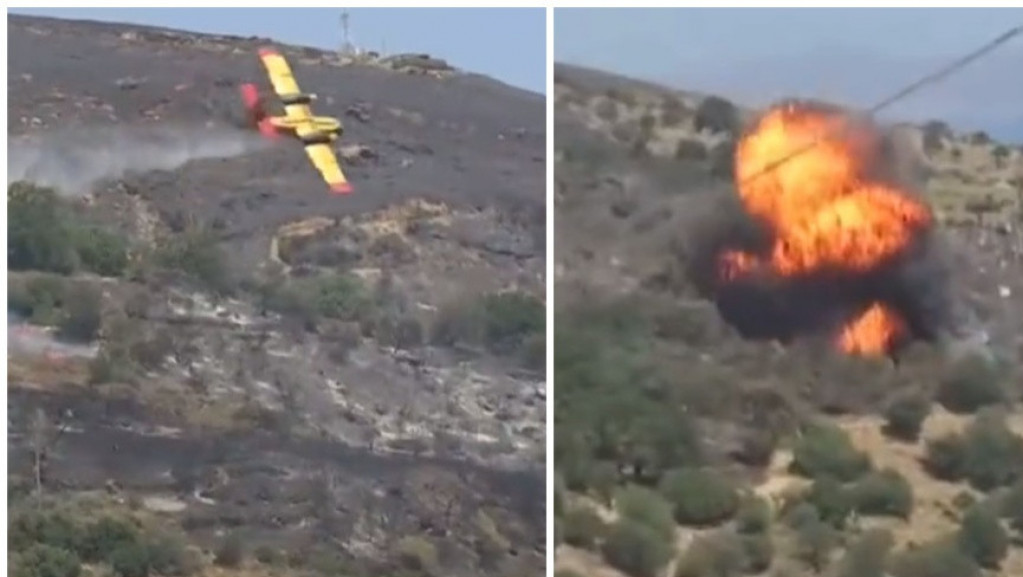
(763,305)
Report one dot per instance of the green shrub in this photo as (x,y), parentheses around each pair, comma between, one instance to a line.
(501,322)
(815,542)
(197,255)
(582,527)
(758,552)
(988,454)
(971,383)
(40,299)
(700,496)
(717,115)
(905,416)
(754,515)
(44,235)
(722,160)
(159,555)
(946,457)
(800,513)
(1012,506)
(867,555)
(82,314)
(831,500)
(341,297)
(714,555)
(636,549)
(230,552)
(645,506)
(417,554)
(611,404)
(52,528)
(982,538)
(267,555)
(38,233)
(673,111)
(131,560)
(559,494)
(825,450)
(932,560)
(103,537)
(885,493)
(42,560)
(101,251)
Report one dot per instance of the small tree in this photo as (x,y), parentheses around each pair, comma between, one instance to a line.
(230,552)
(884,493)
(982,538)
(832,501)
(700,496)
(38,235)
(636,549)
(1012,506)
(717,115)
(933,560)
(103,537)
(647,507)
(815,543)
(83,314)
(46,561)
(825,450)
(582,527)
(754,515)
(971,383)
(867,555)
(714,555)
(905,416)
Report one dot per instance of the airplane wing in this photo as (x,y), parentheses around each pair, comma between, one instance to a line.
(325,160)
(284,82)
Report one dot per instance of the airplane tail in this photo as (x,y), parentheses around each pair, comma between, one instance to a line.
(257,114)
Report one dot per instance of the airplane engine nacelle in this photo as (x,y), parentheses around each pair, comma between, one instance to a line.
(301,98)
(317,138)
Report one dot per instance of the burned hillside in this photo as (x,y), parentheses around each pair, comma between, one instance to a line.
(273,377)
(709,422)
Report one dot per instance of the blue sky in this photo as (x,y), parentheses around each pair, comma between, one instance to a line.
(857,56)
(507,44)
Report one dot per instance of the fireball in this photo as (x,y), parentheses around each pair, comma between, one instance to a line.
(804,173)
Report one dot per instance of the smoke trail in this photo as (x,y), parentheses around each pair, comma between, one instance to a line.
(73,160)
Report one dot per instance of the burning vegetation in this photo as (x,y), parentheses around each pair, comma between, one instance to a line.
(829,239)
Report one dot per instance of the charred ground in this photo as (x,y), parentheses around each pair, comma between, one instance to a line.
(684,448)
(291,378)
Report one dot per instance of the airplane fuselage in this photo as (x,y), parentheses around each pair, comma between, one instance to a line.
(323,124)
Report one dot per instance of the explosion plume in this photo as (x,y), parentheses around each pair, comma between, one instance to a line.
(836,236)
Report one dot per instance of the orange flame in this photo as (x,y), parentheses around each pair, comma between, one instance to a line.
(823,212)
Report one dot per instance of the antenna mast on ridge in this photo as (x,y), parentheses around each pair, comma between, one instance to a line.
(347,47)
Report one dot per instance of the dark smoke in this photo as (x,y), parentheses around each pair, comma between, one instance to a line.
(764,305)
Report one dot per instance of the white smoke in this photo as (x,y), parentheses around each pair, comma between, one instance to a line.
(72,160)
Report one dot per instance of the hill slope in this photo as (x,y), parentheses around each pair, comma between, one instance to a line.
(352,380)
(684,449)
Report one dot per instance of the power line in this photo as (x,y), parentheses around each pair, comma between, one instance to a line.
(897,96)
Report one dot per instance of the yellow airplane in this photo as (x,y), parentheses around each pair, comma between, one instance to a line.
(316,133)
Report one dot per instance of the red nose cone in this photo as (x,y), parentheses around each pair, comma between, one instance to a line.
(267,129)
(341,188)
